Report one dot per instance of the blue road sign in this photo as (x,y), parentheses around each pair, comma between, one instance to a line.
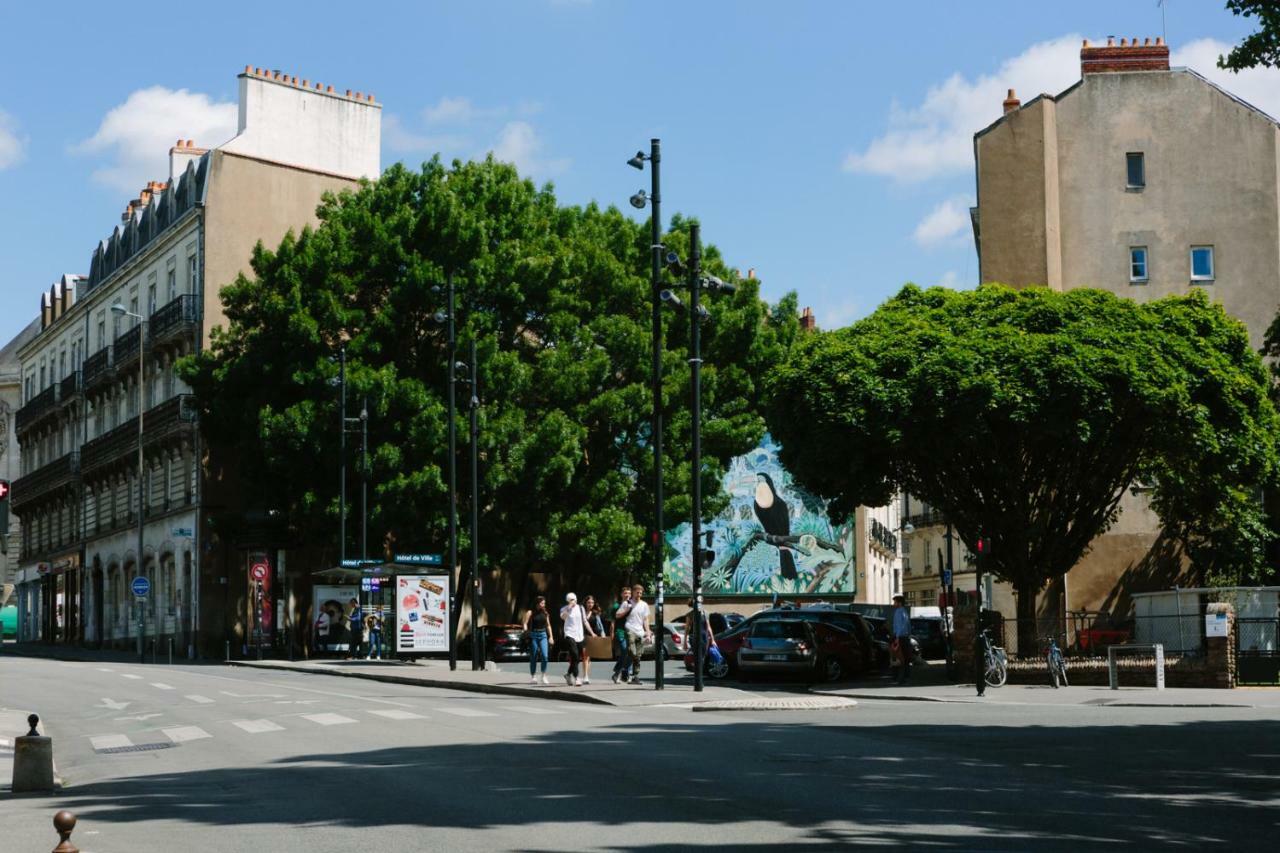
(141,587)
(946,577)
(420,559)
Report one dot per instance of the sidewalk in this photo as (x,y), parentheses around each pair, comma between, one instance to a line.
(13,724)
(1036,694)
(514,681)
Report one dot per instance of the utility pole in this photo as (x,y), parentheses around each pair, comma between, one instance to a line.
(342,455)
(455,606)
(695,366)
(477,653)
(364,501)
(655,283)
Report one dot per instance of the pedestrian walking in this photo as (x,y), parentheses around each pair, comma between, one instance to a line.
(537,624)
(595,628)
(574,616)
(638,632)
(708,638)
(355,628)
(374,624)
(621,652)
(902,637)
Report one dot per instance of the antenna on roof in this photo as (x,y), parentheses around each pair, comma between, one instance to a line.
(1164,30)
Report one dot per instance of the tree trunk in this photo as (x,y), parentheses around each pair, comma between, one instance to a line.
(1028,625)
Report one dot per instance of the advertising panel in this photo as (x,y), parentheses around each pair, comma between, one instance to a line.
(331,631)
(422,613)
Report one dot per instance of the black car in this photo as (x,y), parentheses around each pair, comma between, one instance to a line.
(883,639)
(851,622)
(930,635)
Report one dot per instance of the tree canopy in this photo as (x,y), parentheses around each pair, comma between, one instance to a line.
(557,299)
(1025,415)
(1258,48)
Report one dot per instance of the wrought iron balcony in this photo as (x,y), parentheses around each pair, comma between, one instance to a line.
(927,517)
(97,368)
(36,409)
(174,321)
(120,445)
(127,347)
(112,446)
(44,480)
(169,418)
(70,387)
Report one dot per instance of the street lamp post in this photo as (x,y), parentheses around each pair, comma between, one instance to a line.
(695,368)
(477,589)
(120,310)
(655,277)
(447,317)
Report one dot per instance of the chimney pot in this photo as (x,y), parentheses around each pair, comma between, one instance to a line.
(306,84)
(371,97)
(257,72)
(329,89)
(1159,39)
(191,143)
(1146,42)
(751,273)
(1011,103)
(1111,42)
(1086,43)
(248,68)
(359,97)
(178,144)
(348,93)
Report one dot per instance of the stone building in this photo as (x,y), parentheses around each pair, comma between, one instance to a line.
(1143,180)
(104,354)
(10,402)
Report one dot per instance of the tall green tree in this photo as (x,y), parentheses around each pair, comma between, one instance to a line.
(1258,48)
(557,300)
(1025,415)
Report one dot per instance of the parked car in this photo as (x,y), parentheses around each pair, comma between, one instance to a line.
(811,649)
(507,642)
(731,640)
(929,635)
(883,639)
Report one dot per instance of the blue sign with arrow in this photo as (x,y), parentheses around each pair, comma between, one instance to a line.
(141,587)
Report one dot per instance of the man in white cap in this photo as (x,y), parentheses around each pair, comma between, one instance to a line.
(575,621)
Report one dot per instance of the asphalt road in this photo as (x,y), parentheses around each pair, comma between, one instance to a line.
(238,760)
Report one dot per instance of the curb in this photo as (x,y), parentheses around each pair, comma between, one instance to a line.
(440,683)
(796,703)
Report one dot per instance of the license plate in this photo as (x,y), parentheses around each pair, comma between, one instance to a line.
(775,657)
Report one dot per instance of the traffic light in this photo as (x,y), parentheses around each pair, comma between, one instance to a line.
(706,555)
(4,516)
(984,546)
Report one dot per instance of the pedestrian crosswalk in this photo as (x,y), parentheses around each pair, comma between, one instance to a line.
(180,735)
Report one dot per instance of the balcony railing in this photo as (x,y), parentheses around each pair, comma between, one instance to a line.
(926,518)
(70,386)
(127,346)
(883,536)
(173,321)
(36,408)
(173,416)
(45,479)
(110,446)
(97,368)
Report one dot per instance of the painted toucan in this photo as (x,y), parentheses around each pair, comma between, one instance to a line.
(775,517)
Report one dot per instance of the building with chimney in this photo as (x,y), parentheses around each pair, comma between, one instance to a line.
(1145,181)
(103,356)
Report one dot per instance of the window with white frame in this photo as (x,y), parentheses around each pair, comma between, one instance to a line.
(1138,263)
(191,274)
(1202,263)
(1135,170)
(172,284)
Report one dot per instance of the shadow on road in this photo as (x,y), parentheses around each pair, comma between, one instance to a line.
(944,786)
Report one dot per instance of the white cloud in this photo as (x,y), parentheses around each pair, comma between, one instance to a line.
(12,144)
(518,143)
(936,137)
(947,223)
(1258,86)
(950,279)
(399,138)
(838,315)
(450,110)
(137,134)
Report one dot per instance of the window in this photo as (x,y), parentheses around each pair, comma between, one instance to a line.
(191,274)
(173,284)
(1136,170)
(1202,263)
(1137,263)
(133,306)
(151,299)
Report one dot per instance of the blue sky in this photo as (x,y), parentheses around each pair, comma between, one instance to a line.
(825,144)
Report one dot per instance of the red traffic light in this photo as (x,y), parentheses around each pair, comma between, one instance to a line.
(984,546)
(4,490)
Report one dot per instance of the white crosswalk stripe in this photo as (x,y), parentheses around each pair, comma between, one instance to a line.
(158,686)
(397,714)
(104,669)
(182,734)
(328,719)
(465,712)
(529,709)
(257,727)
(110,741)
(198,699)
(602,709)
(128,675)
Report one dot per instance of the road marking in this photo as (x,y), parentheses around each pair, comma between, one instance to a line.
(109,741)
(327,719)
(252,695)
(397,714)
(134,677)
(257,727)
(529,709)
(139,718)
(158,686)
(198,699)
(104,669)
(685,706)
(602,709)
(312,690)
(465,712)
(113,705)
(182,734)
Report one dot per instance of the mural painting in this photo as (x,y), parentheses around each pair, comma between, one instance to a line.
(773,537)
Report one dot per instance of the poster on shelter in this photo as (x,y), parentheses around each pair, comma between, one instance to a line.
(422,613)
(772,537)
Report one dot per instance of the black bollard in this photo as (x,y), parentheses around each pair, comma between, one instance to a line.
(64,822)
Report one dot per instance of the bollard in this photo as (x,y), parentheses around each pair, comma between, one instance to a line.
(228,651)
(64,822)
(32,760)
(171,651)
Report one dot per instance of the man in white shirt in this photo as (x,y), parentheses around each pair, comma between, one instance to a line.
(637,629)
(574,623)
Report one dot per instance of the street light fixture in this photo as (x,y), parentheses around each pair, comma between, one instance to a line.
(657,296)
(120,311)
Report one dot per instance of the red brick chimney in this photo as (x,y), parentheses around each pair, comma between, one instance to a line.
(1125,57)
(808,322)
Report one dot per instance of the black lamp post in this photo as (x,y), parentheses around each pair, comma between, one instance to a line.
(455,605)
(655,239)
(477,589)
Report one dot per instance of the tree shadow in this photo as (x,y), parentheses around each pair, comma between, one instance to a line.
(946,786)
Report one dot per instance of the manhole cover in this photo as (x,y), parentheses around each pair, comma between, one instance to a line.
(138,747)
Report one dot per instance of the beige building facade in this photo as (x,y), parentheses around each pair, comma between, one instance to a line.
(177,245)
(1145,181)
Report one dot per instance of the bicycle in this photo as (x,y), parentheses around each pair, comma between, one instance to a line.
(996,671)
(1057,663)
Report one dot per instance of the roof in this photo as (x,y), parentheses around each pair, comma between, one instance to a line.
(9,352)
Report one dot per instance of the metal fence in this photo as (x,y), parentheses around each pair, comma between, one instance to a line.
(1077,637)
